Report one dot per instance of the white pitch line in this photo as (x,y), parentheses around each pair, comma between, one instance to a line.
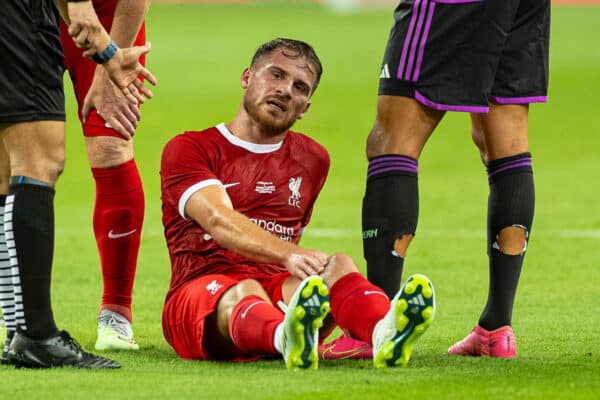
(336,233)
(458,233)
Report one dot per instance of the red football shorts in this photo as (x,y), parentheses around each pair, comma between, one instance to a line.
(185,312)
(81,71)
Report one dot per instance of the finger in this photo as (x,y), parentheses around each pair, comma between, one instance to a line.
(86,108)
(315,264)
(133,89)
(300,273)
(89,52)
(143,89)
(130,97)
(131,118)
(308,268)
(81,39)
(116,125)
(135,110)
(126,124)
(147,75)
(74,29)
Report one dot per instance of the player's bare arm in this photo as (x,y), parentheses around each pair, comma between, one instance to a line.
(211,208)
(108,100)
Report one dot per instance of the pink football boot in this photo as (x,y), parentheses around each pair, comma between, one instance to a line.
(500,343)
(345,347)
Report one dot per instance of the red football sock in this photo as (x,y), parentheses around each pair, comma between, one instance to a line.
(357,305)
(252,325)
(118,219)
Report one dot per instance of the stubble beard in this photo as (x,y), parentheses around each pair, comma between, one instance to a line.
(267,123)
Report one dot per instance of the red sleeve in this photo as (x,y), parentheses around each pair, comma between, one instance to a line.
(186,167)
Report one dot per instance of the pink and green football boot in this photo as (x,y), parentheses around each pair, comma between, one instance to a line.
(499,343)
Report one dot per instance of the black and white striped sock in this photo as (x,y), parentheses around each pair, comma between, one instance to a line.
(29,230)
(7,294)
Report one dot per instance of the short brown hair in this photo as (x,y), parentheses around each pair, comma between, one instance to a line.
(299,49)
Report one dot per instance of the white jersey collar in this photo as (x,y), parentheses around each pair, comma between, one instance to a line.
(251,147)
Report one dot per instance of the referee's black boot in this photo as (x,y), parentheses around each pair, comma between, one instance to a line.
(57,351)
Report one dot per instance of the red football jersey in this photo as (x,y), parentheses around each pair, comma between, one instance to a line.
(275,185)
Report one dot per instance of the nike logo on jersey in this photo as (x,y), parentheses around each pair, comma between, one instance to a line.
(245,312)
(368,292)
(228,185)
(112,235)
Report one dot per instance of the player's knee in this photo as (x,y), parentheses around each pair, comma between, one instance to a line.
(344,263)
(108,151)
(248,287)
(478,137)
(376,141)
(46,168)
(401,244)
(236,293)
(339,265)
(512,240)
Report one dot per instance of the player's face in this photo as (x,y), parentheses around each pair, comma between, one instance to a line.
(277,91)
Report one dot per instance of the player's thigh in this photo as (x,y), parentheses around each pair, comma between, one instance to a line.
(4,167)
(502,132)
(186,312)
(36,149)
(402,126)
(108,151)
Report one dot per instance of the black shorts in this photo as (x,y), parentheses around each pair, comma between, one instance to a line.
(460,55)
(31,65)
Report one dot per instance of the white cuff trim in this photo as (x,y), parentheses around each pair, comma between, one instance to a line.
(193,189)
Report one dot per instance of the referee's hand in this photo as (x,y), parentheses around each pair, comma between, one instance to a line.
(85,27)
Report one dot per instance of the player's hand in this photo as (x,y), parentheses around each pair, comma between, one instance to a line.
(124,69)
(110,103)
(305,263)
(85,27)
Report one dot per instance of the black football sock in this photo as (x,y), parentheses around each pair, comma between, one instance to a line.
(390,210)
(7,295)
(30,210)
(510,204)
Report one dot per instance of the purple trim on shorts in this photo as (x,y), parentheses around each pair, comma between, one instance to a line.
(523,162)
(423,40)
(415,42)
(456,1)
(519,100)
(447,107)
(409,34)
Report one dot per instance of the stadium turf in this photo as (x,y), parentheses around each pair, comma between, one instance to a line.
(199,51)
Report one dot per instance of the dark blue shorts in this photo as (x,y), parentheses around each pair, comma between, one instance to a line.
(31,68)
(460,55)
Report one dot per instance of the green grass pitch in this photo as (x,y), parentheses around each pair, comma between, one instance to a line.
(198,54)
